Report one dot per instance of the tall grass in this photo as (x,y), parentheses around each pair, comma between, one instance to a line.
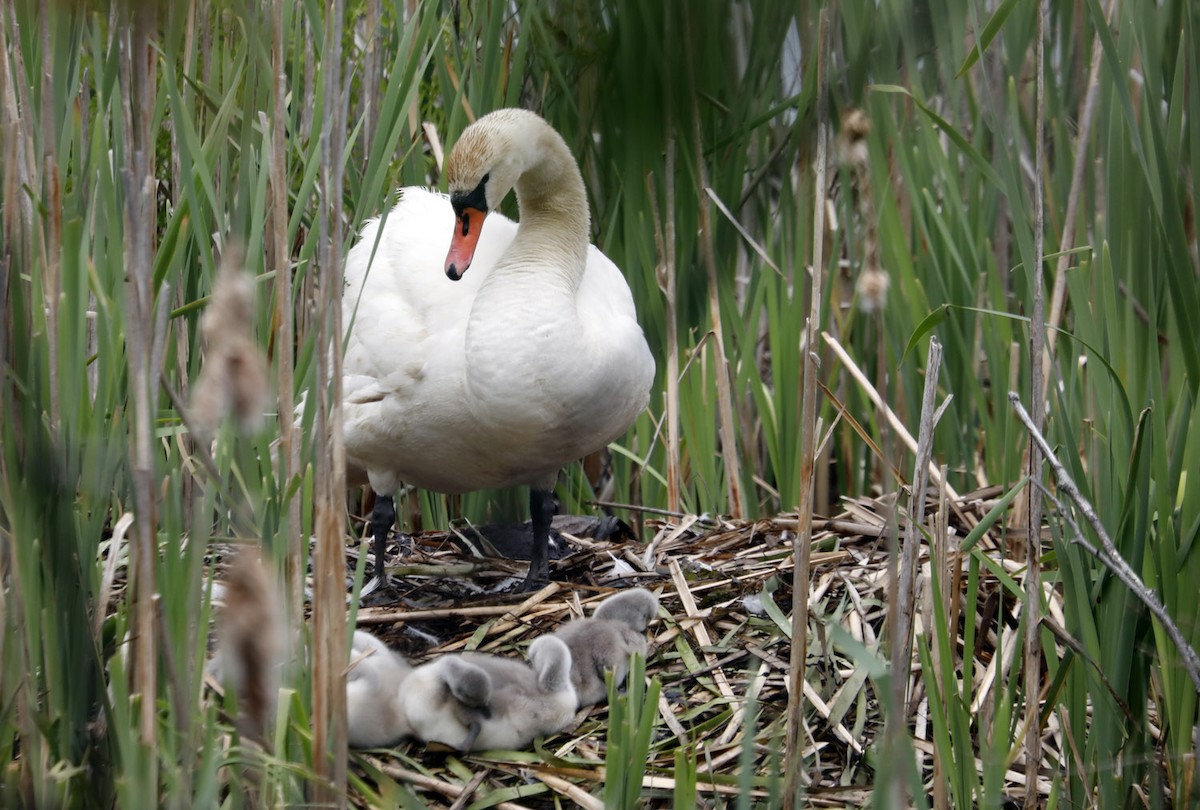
(948,88)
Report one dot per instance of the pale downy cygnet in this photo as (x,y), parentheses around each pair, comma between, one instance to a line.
(474,701)
(374,709)
(604,642)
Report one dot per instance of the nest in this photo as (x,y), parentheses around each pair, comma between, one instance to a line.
(720,651)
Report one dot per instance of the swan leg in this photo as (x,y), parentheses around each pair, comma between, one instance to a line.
(382,518)
(542,508)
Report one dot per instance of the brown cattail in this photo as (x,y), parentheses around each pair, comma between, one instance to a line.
(852,140)
(873,280)
(250,639)
(233,377)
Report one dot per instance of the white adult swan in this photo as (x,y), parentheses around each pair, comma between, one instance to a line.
(502,375)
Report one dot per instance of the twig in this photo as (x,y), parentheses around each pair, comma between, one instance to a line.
(802,544)
(1108,553)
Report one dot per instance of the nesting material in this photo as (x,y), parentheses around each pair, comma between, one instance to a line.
(721,562)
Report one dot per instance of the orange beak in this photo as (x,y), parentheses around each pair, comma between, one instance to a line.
(463,242)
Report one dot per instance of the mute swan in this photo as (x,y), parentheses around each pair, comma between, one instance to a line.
(475,701)
(375,669)
(604,642)
(502,375)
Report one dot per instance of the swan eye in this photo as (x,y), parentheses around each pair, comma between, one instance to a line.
(487,176)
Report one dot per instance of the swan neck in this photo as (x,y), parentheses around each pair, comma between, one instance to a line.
(554,217)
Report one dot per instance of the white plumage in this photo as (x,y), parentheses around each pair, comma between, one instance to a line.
(531,359)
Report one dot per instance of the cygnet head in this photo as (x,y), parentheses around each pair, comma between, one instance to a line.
(634,608)
(551,660)
(447,700)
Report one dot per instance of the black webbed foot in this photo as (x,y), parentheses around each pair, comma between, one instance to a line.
(383,517)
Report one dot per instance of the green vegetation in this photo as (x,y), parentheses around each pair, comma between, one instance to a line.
(130,153)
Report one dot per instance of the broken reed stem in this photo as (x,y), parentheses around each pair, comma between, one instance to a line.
(1033,573)
(916,510)
(294,565)
(138,70)
(1107,553)
(329,609)
(801,546)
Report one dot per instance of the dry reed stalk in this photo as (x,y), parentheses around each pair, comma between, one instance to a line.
(1033,574)
(893,420)
(728,430)
(568,790)
(664,235)
(1058,296)
(802,544)
(468,791)
(1087,115)
(700,631)
(138,71)
(939,568)
(329,609)
(372,73)
(284,317)
(916,509)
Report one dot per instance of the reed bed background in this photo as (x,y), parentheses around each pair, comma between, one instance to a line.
(140,142)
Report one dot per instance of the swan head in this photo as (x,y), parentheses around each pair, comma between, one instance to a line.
(484,165)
